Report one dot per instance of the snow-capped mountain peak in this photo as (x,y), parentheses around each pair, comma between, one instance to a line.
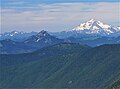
(96,27)
(92,24)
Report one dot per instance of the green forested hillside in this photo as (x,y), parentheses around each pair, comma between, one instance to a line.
(62,66)
(52,51)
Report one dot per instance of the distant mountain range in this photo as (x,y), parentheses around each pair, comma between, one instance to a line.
(87,29)
(65,65)
(94,40)
(92,33)
(43,39)
(16,35)
(40,40)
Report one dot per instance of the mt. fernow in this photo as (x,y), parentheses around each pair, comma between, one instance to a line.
(96,27)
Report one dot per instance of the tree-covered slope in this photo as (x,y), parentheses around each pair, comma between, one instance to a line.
(62,66)
(25,69)
(94,69)
(55,50)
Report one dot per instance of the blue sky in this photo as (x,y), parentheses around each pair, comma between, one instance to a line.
(56,15)
(60,1)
